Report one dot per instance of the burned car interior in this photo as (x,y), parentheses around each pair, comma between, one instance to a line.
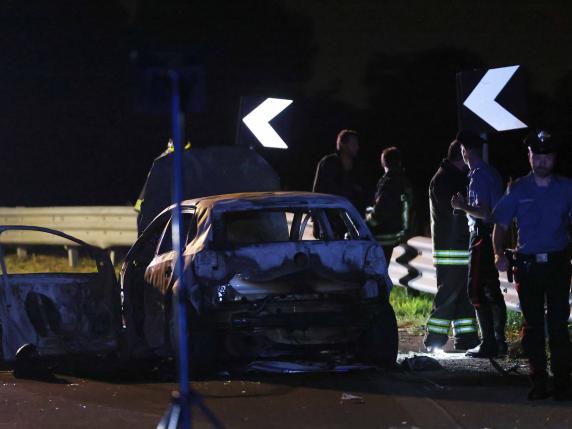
(278,225)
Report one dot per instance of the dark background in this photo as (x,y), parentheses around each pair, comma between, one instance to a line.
(72,132)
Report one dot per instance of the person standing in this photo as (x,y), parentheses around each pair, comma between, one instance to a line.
(484,191)
(389,217)
(335,173)
(541,203)
(450,236)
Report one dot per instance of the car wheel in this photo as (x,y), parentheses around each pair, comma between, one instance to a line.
(379,343)
(201,341)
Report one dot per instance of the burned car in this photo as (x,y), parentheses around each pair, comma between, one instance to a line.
(57,312)
(268,274)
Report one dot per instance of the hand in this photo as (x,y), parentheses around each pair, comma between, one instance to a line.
(458,201)
(501,262)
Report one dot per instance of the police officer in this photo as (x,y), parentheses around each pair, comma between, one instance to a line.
(541,202)
(389,217)
(450,235)
(485,189)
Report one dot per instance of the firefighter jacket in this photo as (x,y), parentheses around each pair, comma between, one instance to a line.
(389,219)
(449,229)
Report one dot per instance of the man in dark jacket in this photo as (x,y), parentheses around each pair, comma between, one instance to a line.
(335,173)
(450,235)
(389,217)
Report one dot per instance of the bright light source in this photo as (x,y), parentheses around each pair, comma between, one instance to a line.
(257,122)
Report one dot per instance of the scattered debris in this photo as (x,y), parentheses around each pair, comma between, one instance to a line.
(514,367)
(29,365)
(348,398)
(420,363)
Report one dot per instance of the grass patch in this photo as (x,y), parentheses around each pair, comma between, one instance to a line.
(514,321)
(412,312)
(40,263)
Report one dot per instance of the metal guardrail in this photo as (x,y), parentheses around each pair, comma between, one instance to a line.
(426,280)
(102,226)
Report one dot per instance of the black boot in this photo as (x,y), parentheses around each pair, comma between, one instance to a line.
(488,346)
(499,322)
(466,341)
(539,389)
(433,341)
(502,348)
(487,349)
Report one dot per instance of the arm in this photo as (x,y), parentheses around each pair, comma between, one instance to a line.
(482,211)
(499,236)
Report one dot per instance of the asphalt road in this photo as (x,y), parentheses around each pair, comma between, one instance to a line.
(463,394)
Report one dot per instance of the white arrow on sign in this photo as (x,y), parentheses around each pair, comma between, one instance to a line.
(482,102)
(257,122)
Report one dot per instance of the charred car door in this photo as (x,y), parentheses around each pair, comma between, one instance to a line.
(159,279)
(58,312)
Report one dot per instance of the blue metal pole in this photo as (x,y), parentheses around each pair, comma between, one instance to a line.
(177,121)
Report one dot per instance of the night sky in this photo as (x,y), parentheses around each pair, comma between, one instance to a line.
(73,132)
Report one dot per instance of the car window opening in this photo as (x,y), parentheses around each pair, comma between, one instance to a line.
(280,225)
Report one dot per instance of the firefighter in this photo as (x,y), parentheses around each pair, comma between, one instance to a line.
(450,235)
(141,198)
(484,191)
(541,203)
(389,217)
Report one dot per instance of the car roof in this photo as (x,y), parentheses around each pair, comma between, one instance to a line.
(246,200)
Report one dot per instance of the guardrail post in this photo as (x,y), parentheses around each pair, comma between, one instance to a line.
(73,257)
(21,253)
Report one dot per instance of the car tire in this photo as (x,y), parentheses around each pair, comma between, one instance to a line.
(201,341)
(379,343)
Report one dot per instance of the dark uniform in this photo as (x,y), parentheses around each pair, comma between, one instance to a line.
(485,186)
(390,217)
(542,272)
(450,235)
(332,178)
(140,200)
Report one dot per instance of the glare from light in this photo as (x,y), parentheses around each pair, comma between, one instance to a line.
(438,351)
(257,122)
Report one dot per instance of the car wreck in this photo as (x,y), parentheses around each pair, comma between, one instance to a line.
(268,274)
(58,313)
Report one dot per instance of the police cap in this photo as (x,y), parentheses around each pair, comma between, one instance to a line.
(541,142)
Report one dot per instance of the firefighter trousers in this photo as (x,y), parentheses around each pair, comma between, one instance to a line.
(451,305)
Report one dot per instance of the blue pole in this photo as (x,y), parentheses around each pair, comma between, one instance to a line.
(177,122)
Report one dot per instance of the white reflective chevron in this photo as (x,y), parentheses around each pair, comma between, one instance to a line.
(481,100)
(257,122)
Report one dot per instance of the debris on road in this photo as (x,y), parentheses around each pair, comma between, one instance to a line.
(420,363)
(348,398)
